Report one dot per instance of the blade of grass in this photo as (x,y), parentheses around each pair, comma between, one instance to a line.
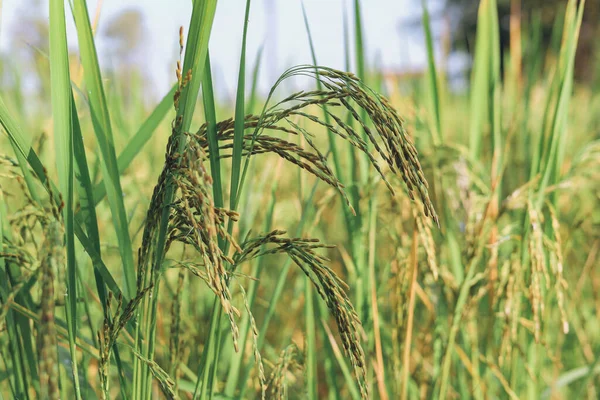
(359,253)
(250,208)
(211,131)
(432,78)
(237,364)
(312,375)
(138,141)
(104,136)
(240,109)
(63,132)
(359,53)
(330,135)
(86,197)
(481,92)
(90,221)
(559,122)
(254,88)
(352,156)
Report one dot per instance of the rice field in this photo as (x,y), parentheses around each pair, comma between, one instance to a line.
(364,237)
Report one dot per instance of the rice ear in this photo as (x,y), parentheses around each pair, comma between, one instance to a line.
(329,286)
(344,91)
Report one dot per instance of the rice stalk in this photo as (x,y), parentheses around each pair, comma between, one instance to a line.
(53,260)
(175,341)
(165,382)
(289,358)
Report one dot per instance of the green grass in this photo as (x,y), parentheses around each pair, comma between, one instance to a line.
(465,270)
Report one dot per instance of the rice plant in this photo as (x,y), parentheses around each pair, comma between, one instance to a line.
(330,242)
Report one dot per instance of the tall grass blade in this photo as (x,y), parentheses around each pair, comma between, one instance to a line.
(104,136)
(432,78)
(238,141)
(485,76)
(63,133)
(138,141)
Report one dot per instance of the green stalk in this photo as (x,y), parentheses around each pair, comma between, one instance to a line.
(358,233)
(211,367)
(311,342)
(194,63)
(481,90)
(352,152)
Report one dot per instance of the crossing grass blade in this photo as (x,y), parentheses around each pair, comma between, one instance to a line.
(104,135)
(210,113)
(240,109)
(63,130)
(89,219)
(86,197)
(138,141)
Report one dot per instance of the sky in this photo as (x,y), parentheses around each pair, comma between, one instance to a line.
(275,24)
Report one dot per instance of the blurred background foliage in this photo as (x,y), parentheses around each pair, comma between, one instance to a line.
(462,15)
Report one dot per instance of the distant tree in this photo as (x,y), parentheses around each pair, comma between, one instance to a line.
(463,16)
